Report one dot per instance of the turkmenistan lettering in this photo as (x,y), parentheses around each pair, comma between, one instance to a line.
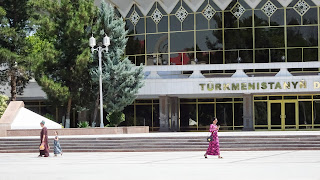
(251,86)
(294,84)
(303,84)
(286,85)
(278,86)
(226,86)
(235,86)
(210,86)
(255,86)
(243,86)
(271,84)
(264,85)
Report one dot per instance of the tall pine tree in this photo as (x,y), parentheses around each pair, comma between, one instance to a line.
(62,52)
(121,79)
(14,28)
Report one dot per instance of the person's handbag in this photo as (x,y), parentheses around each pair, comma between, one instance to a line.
(41,147)
(210,138)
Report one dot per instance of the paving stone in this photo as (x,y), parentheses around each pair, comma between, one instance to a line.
(236,165)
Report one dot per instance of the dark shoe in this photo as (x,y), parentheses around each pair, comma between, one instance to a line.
(205,156)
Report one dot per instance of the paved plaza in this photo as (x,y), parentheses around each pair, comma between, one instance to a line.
(238,165)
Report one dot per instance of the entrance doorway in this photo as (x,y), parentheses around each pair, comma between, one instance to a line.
(283,114)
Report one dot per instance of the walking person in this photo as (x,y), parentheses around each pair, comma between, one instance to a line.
(57,148)
(214,147)
(44,145)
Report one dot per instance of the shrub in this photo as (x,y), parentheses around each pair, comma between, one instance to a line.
(115,119)
(3,104)
(83,124)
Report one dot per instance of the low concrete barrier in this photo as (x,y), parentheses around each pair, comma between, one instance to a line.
(81,131)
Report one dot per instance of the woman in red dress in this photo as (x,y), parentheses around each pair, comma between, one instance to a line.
(214,147)
(44,141)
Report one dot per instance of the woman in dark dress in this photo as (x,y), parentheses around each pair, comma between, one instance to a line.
(44,141)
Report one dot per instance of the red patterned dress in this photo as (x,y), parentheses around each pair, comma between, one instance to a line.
(214,147)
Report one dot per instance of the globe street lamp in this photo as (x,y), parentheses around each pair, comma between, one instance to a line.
(99,49)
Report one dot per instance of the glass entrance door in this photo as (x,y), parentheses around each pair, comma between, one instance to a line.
(283,114)
(290,115)
(275,115)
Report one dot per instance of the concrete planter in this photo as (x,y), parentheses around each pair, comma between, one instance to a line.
(81,131)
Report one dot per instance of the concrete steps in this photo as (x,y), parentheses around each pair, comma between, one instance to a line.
(145,144)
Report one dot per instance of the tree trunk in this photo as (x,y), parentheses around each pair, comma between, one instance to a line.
(69,109)
(96,107)
(13,83)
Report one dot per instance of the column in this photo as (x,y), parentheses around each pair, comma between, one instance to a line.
(164,113)
(174,114)
(247,112)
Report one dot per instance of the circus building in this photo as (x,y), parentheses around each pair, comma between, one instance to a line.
(253,64)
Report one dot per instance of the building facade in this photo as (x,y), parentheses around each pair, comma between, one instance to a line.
(253,64)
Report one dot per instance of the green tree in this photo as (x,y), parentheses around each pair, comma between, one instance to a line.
(14,28)
(121,79)
(115,119)
(60,49)
(3,104)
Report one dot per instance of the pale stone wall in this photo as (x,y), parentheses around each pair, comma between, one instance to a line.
(9,115)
